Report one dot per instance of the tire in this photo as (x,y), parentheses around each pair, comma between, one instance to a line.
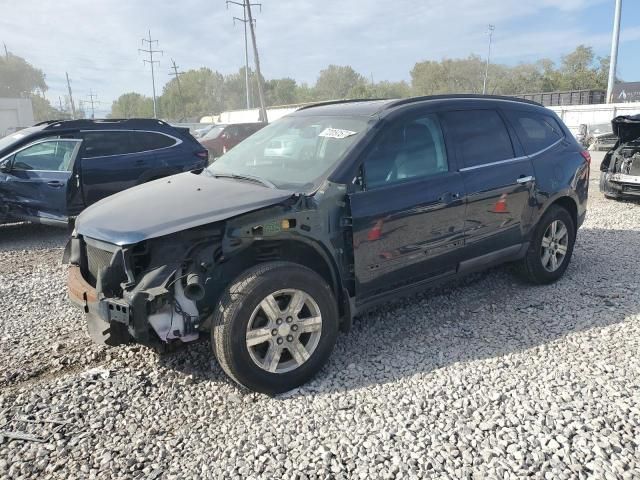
(532,266)
(240,310)
(103,333)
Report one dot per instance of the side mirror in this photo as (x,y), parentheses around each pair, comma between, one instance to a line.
(5,167)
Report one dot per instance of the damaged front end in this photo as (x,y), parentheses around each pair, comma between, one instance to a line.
(149,291)
(620,169)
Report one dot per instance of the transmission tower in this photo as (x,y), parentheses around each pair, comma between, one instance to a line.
(150,51)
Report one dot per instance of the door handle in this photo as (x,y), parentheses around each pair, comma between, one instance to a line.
(523,179)
(448,197)
(55,183)
(140,162)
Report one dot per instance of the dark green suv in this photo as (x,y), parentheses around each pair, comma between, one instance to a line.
(274,250)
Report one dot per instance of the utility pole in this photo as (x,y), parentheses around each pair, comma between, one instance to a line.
(486,69)
(73,108)
(256,57)
(613,62)
(244,4)
(6,52)
(177,74)
(91,96)
(151,62)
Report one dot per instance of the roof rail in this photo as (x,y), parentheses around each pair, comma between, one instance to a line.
(86,122)
(404,101)
(337,102)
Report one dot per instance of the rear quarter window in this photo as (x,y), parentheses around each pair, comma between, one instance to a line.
(536,131)
(145,141)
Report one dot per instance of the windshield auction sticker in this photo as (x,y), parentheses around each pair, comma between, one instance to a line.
(336,133)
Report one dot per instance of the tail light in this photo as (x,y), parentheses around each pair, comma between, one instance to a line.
(587,156)
(203,154)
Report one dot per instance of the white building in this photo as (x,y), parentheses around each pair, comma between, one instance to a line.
(15,113)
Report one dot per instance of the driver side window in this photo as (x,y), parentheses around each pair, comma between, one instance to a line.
(410,149)
(52,156)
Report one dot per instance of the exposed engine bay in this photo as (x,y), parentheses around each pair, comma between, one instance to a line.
(621,165)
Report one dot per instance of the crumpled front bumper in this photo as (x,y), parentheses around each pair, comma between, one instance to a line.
(108,314)
(619,185)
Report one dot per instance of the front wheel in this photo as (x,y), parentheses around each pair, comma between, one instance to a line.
(275,327)
(551,247)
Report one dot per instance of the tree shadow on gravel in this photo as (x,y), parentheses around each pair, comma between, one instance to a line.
(485,315)
(30,236)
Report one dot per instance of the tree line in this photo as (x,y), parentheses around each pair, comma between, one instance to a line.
(205,91)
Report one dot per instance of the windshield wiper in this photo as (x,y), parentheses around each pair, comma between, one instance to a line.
(250,178)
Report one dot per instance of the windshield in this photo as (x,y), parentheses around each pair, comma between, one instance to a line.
(214,132)
(293,152)
(16,136)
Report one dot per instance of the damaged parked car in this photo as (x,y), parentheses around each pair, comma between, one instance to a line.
(620,168)
(274,255)
(50,172)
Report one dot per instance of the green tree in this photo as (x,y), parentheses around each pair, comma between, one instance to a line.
(336,82)
(132,105)
(20,79)
(281,91)
(202,94)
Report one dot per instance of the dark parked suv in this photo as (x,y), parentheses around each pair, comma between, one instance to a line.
(274,255)
(52,171)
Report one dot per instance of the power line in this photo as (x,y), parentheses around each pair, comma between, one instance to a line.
(245,4)
(91,96)
(151,62)
(486,70)
(177,74)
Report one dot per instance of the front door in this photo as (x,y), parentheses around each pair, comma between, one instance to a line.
(408,219)
(36,182)
(498,179)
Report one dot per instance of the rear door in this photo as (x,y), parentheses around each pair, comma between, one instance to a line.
(110,163)
(408,219)
(498,178)
(38,183)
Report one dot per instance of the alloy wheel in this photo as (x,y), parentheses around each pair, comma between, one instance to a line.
(555,243)
(284,330)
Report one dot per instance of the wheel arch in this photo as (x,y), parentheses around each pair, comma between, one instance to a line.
(563,200)
(299,251)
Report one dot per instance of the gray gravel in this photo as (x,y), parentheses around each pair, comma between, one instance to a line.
(489,378)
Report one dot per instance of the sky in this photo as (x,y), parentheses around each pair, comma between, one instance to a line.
(97,41)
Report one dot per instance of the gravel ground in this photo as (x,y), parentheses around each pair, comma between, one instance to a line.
(488,378)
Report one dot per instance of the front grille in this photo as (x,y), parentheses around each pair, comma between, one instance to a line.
(97,258)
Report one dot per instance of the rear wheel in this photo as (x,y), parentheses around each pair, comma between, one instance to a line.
(551,248)
(275,327)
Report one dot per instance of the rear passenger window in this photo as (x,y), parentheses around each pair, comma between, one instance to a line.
(479,136)
(411,149)
(106,143)
(536,131)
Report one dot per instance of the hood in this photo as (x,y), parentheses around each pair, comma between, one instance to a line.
(626,127)
(172,204)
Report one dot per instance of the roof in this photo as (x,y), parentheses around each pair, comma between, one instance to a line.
(372,107)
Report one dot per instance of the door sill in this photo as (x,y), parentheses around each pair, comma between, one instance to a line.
(403,291)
